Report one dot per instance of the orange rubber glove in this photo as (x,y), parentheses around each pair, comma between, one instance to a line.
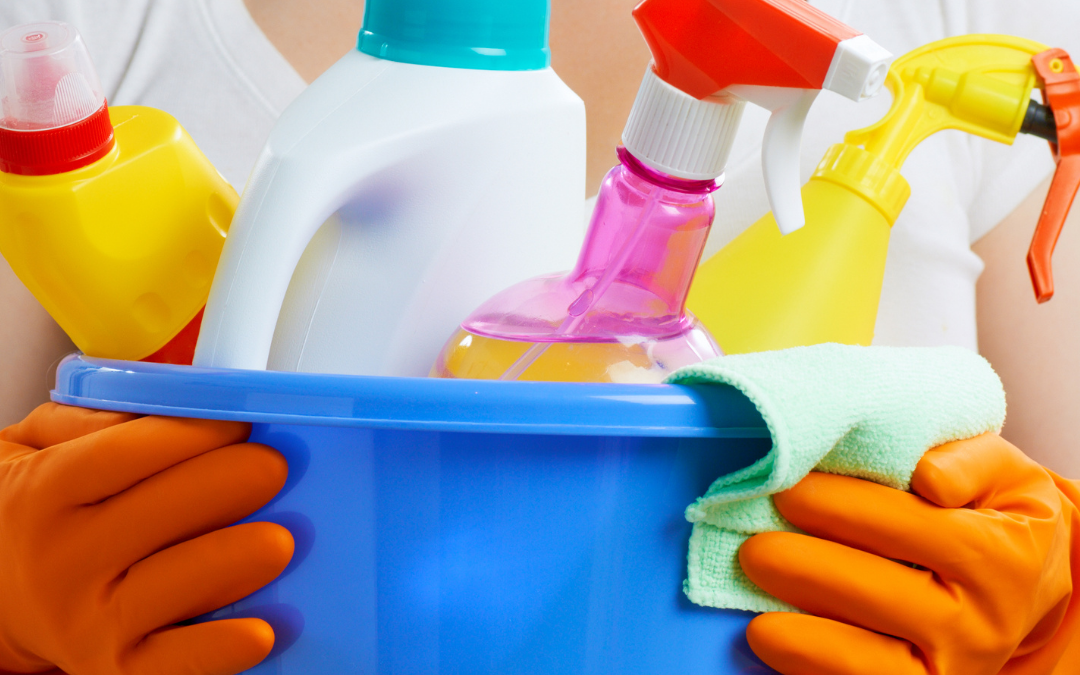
(995,540)
(110,533)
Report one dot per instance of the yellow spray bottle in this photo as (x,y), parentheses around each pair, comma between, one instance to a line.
(822,282)
(112,218)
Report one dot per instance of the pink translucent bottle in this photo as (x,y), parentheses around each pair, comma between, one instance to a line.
(620,315)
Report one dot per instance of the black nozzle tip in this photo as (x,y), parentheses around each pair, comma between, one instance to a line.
(1039,121)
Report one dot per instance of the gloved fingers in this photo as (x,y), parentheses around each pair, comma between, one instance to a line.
(90,469)
(202,494)
(877,519)
(797,644)
(201,575)
(10,452)
(985,472)
(52,423)
(213,648)
(851,586)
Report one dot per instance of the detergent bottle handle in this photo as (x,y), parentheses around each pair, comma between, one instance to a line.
(270,231)
(309,167)
(1061,91)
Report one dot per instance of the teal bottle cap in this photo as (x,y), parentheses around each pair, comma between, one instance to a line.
(477,34)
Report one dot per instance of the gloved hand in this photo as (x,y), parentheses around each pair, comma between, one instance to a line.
(110,533)
(994,538)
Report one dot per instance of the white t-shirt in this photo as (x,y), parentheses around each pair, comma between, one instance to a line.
(207,63)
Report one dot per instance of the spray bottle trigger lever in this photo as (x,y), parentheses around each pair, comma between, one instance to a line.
(1061,91)
(780,148)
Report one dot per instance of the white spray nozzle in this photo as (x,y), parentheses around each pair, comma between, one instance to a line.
(858,71)
(858,68)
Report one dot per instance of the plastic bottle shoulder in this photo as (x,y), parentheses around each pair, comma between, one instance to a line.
(140,132)
(362,99)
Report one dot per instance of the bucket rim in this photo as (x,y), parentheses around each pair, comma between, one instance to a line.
(407,403)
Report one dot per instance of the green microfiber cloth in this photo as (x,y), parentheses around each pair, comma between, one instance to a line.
(868,412)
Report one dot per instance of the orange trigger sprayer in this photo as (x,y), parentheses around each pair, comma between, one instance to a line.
(778,54)
(1061,92)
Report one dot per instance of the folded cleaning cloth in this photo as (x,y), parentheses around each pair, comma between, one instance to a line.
(868,412)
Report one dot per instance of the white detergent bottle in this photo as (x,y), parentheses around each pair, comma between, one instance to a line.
(438,163)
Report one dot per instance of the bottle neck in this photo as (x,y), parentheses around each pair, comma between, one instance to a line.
(644,242)
(662,180)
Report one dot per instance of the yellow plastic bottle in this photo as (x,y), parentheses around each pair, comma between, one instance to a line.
(822,283)
(113,218)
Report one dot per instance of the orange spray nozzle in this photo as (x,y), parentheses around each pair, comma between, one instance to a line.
(704,46)
(1061,92)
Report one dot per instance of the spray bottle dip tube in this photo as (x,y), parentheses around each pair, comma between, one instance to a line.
(619,316)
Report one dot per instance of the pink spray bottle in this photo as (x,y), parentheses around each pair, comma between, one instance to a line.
(620,315)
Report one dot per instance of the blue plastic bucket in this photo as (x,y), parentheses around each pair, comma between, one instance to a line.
(468,527)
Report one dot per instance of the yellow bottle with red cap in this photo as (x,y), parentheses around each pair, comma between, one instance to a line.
(112,217)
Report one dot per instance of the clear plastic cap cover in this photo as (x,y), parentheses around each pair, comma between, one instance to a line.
(46,77)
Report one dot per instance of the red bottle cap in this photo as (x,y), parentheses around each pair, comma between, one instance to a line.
(53,114)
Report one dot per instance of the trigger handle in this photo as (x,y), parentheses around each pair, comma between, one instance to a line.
(781,147)
(1061,92)
(1055,210)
